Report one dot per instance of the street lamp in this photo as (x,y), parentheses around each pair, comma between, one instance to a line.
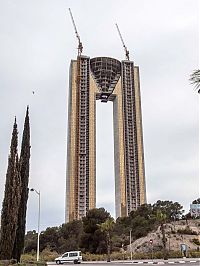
(131,244)
(38,238)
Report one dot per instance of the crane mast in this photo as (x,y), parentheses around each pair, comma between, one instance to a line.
(125,48)
(80,46)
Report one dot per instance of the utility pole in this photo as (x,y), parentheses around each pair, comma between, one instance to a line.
(38,236)
(131,244)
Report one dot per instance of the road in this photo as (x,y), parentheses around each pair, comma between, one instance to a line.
(187,262)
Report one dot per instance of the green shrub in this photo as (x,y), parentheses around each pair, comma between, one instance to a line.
(127,256)
(175,254)
(31,263)
(45,255)
(27,257)
(138,256)
(186,231)
(48,255)
(94,257)
(7,262)
(194,254)
(117,256)
(196,241)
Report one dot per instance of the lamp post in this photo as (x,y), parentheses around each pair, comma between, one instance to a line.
(151,243)
(38,237)
(131,244)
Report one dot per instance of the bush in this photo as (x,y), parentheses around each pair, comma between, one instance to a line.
(175,254)
(45,255)
(94,257)
(48,255)
(156,255)
(118,256)
(136,256)
(196,241)
(186,231)
(194,254)
(27,257)
(7,262)
(32,263)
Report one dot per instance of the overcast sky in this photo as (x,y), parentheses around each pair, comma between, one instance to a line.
(37,44)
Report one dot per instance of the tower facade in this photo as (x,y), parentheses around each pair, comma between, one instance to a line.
(104,79)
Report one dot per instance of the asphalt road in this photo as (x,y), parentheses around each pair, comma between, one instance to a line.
(191,262)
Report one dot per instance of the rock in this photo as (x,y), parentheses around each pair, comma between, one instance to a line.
(174,240)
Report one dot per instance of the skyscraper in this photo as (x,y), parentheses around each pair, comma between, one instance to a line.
(104,79)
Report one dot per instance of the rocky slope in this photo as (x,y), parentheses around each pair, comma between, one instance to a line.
(177,233)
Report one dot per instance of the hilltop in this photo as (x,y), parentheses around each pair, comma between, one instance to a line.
(177,233)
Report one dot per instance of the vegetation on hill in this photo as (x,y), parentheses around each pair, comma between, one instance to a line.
(97,232)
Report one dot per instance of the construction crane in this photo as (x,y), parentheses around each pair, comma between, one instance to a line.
(80,49)
(78,92)
(125,48)
(80,46)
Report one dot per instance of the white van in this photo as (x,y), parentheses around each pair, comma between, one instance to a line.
(74,256)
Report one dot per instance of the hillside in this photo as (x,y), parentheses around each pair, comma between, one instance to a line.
(177,233)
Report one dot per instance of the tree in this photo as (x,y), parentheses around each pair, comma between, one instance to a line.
(122,229)
(12,194)
(49,238)
(70,236)
(24,173)
(145,210)
(93,240)
(195,79)
(30,241)
(197,201)
(172,210)
(142,221)
(107,228)
(93,218)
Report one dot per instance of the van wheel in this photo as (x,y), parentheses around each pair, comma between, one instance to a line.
(75,261)
(58,262)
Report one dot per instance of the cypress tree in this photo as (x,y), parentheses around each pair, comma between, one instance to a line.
(12,193)
(24,172)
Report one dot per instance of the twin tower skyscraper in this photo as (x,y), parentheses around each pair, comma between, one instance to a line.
(104,79)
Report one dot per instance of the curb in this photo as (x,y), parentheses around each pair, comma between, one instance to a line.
(162,262)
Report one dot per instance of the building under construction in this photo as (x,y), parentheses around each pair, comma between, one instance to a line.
(104,79)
